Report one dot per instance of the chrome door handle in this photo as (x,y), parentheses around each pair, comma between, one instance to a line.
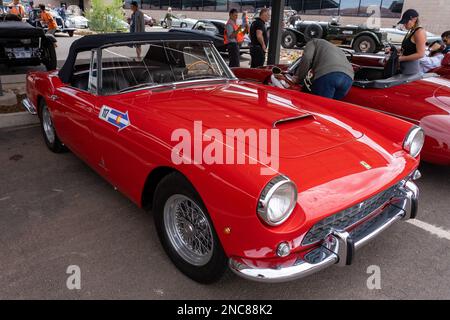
(54,97)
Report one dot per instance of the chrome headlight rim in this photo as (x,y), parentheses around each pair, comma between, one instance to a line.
(271,187)
(416,132)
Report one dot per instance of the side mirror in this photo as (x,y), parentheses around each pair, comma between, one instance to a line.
(276,70)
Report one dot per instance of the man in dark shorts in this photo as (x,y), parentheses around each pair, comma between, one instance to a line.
(233,37)
(259,37)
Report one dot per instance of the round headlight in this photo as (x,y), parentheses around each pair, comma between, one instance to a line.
(414,141)
(277,200)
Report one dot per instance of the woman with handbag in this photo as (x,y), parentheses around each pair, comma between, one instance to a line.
(413,45)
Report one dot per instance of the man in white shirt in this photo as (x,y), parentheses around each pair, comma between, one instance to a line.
(433,59)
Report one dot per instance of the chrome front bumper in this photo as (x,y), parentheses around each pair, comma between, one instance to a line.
(339,246)
(29,106)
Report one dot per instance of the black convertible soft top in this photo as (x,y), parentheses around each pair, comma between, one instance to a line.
(18,29)
(91,42)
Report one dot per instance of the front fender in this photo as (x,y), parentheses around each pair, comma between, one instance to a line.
(437,145)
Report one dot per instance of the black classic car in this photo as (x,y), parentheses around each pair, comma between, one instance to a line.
(24,45)
(215,30)
(359,38)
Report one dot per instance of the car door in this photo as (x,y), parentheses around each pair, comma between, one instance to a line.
(114,122)
(74,117)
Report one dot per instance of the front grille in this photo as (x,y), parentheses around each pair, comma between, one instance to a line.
(348,217)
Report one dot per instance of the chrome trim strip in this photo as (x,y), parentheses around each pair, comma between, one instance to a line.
(337,248)
(29,106)
(174,85)
(301,268)
(303,116)
(362,242)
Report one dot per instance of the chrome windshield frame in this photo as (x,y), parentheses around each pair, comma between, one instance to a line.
(229,75)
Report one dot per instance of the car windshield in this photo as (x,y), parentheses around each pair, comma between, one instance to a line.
(137,66)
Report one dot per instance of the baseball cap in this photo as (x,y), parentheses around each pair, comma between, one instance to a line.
(408,15)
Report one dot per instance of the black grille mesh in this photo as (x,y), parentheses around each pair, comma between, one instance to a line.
(344,219)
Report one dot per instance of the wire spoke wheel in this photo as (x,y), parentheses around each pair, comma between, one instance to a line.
(48,125)
(188,230)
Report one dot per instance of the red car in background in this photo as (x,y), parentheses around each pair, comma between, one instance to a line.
(423,100)
(379,60)
(340,174)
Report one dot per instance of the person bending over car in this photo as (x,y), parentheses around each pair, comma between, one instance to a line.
(324,70)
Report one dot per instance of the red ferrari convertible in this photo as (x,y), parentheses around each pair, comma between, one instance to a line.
(423,100)
(177,133)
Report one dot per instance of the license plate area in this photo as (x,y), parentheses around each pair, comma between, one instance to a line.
(19,53)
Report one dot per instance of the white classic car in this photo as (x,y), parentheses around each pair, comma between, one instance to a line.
(179,21)
(78,22)
(396,36)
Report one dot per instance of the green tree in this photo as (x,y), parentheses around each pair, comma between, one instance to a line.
(106,17)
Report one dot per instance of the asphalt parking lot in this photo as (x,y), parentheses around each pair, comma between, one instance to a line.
(55,212)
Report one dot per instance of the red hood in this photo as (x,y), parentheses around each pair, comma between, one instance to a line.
(239,106)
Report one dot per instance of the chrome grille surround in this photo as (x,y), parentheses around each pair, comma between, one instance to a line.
(350,216)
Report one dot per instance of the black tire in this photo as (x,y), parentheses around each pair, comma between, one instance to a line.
(173,185)
(164,24)
(71,33)
(54,145)
(183,25)
(313,31)
(364,44)
(50,61)
(288,39)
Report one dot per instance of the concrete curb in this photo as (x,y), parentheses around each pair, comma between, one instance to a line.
(17,119)
(8,99)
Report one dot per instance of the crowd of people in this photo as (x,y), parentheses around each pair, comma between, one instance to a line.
(17,10)
(234,37)
(324,66)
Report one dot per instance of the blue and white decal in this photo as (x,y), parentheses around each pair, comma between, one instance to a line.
(114,117)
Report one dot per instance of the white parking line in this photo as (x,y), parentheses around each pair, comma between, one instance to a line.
(437,231)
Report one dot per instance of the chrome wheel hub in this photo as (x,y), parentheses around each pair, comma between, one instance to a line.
(364,46)
(188,230)
(288,40)
(48,125)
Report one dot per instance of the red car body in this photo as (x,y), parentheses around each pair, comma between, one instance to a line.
(424,102)
(339,157)
(376,60)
